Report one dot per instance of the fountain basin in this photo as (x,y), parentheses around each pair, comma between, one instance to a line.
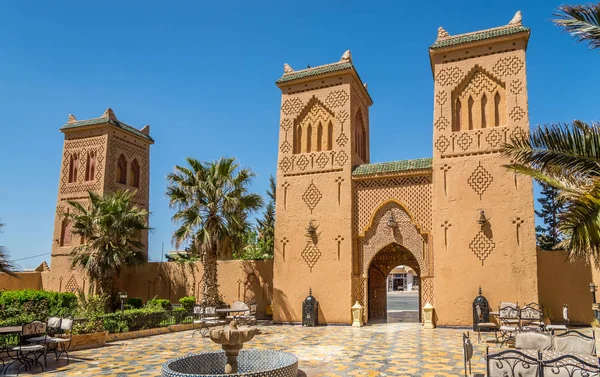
(251,363)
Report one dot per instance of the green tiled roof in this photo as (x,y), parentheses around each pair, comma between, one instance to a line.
(121,125)
(479,36)
(393,166)
(314,71)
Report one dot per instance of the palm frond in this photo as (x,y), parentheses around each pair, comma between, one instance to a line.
(582,22)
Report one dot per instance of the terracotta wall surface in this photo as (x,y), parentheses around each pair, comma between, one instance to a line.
(469,176)
(23,280)
(565,282)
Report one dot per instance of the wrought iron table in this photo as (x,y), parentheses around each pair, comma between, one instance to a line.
(223,312)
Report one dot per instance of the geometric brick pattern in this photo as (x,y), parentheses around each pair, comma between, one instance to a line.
(427,291)
(464,141)
(442,123)
(494,138)
(508,66)
(286,124)
(302,162)
(312,196)
(82,147)
(342,140)
(322,160)
(286,147)
(441,98)
(516,86)
(285,164)
(448,76)
(291,106)
(132,151)
(311,255)
(442,144)
(413,192)
(480,180)
(517,113)
(482,246)
(337,98)
(72,285)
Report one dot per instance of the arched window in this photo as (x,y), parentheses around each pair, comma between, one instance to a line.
(73,161)
(134,174)
(456,124)
(122,170)
(330,136)
(497,110)
(90,166)
(319,137)
(308,139)
(65,232)
(298,144)
(470,103)
(483,114)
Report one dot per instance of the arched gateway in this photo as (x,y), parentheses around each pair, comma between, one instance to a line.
(343,222)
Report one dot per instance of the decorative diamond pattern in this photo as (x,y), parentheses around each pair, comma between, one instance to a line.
(72,285)
(291,106)
(286,124)
(508,66)
(494,138)
(482,246)
(441,98)
(517,113)
(442,123)
(518,133)
(480,180)
(337,98)
(449,76)
(342,116)
(285,164)
(464,141)
(341,158)
(311,255)
(285,147)
(442,144)
(342,140)
(302,162)
(322,160)
(312,196)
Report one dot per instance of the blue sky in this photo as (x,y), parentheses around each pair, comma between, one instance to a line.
(202,75)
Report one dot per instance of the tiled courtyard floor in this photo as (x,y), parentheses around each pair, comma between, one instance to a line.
(394,349)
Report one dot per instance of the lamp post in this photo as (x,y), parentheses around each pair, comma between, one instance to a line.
(593,289)
(123,297)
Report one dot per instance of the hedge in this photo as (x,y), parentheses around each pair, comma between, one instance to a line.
(22,306)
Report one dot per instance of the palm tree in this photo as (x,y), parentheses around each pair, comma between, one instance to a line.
(581,21)
(566,157)
(5,265)
(212,205)
(110,231)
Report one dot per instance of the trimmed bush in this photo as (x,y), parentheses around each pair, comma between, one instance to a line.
(21,305)
(135,302)
(158,303)
(135,319)
(188,302)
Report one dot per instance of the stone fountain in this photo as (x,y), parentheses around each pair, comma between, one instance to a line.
(233,361)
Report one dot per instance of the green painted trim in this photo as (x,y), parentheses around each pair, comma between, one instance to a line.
(393,166)
(479,36)
(314,71)
(118,124)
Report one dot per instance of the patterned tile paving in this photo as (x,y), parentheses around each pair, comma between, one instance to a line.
(393,349)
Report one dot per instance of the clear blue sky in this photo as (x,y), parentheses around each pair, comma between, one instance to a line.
(202,75)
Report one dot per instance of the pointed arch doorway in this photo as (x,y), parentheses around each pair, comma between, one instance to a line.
(386,259)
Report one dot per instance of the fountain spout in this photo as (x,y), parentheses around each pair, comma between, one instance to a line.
(232,339)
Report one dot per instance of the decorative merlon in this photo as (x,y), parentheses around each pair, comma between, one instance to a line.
(346,57)
(145,130)
(72,119)
(517,19)
(287,68)
(442,33)
(108,113)
(366,86)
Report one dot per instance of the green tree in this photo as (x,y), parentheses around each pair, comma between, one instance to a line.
(566,157)
(110,228)
(582,22)
(266,225)
(547,235)
(212,204)
(6,265)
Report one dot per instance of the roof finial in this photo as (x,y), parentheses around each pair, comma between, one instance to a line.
(442,33)
(287,68)
(310,291)
(366,86)
(108,113)
(346,57)
(72,119)
(480,290)
(517,19)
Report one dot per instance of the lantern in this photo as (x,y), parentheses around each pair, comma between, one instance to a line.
(357,314)
(310,310)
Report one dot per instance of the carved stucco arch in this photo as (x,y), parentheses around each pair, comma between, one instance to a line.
(378,235)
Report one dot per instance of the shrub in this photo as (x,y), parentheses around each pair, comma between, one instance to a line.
(23,304)
(135,302)
(179,314)
(135,319)
(188,302)
(158,303)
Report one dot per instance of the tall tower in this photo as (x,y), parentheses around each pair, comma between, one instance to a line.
(480,101)
(101,155)
(324,131)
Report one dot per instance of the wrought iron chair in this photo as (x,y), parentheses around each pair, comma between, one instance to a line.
(575,342)
(60,343)
(250,318)
(27,354)
(467,353)
(532,317)
(199,320)
(564,327)
(512,363)
(241,306)
(487,326)
(508,316)
(552,364)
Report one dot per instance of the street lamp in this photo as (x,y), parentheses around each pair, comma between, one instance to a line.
(123,297)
